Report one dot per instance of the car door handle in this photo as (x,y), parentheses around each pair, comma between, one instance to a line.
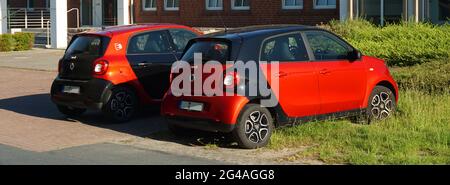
(281,74)
(144,64)
(324,71)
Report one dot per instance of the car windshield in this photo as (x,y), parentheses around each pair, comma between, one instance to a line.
(210,50)
(85,45)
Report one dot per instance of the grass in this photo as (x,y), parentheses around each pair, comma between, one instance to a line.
(418,134)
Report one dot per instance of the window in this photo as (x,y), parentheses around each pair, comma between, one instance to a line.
(181,38)
(240,4)
(151,42)
(324,4)
(149,5)
(210,50)
(326,46)
(214,4)
(85,45)
(171,5)
(292,4)
(30,4)
(284,48)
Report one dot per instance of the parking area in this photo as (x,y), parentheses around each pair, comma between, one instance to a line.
(32,131)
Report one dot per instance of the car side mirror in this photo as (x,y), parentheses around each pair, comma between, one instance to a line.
(354,55)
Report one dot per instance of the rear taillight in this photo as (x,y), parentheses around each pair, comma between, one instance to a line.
(100,67)
(231,79)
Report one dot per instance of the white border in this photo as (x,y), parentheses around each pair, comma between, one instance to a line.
(324,6)
(170,8)
(213,8)
(291,7)
(239,7)
(149,9)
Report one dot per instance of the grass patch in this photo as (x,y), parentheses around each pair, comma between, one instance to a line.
(418,134)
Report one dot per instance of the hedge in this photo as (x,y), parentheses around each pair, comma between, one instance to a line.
(402,44)
(431,77)
(16,42)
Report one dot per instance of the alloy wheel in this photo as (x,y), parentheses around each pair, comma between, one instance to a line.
(382,106)
(122,105)
(256,127)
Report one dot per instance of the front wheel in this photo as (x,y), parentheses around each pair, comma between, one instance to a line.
(254,127)
(122,105)
(381,104)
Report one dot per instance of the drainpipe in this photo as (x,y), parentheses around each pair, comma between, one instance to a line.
(132,11)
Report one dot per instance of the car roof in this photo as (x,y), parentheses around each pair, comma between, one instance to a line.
(259,31)
(116,30)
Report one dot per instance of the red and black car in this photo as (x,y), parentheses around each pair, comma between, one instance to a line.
(320,76)
(118,69)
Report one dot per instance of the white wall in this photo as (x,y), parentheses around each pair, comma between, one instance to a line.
(3,17)
(123,12)
(58,18)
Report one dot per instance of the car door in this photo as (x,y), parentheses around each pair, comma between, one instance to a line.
(342,81)
(298,81)
(151,55)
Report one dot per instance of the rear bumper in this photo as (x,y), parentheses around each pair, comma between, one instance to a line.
(220,113)
(94,93)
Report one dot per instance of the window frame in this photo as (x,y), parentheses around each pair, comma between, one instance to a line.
(318,7)
(172,40)
(300,34)
(330,35)
(284,7)
(164,31)
(233,7)
(171,8)
(151,8)
(213,8)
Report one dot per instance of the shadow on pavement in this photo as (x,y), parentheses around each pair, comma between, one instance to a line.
(147,124)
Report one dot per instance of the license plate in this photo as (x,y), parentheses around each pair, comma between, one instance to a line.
(191,106)
(71,89)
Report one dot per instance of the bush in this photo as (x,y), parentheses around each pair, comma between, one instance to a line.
(16,42)
(24,41)
(432,77)
(403,44)
(7,42)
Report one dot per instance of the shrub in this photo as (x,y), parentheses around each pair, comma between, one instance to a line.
(24,41)
(432,77)
(402,44)
(7,42)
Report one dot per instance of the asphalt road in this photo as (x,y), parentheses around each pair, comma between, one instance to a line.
(96,154)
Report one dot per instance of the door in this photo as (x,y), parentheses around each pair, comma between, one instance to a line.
(298,81)
(109,12)
(342,83)
(151,55)
(86,12)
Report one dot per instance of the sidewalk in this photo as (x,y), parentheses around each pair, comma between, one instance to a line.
(35,59)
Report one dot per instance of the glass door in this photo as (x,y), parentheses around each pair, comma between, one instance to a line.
(109,12)
(86,12)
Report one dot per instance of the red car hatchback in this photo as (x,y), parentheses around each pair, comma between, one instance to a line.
(118,68)
(320,76)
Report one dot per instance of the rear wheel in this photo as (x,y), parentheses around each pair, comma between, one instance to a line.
(381,104)
(122,105)
(254,127)
(70,111)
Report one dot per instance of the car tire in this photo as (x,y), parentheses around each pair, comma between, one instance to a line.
(71,111)
(122,105)
(254,127)
(381,104)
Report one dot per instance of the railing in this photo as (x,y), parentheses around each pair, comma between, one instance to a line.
(78,15)
(28,18)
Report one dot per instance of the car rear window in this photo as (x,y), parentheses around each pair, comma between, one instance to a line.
(86,45)
(210,50)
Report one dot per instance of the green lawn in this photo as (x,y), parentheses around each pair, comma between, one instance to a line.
(418,134)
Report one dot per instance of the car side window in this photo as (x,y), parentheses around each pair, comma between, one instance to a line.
(151,42)
(284,48)
(181,38)
(326,46)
